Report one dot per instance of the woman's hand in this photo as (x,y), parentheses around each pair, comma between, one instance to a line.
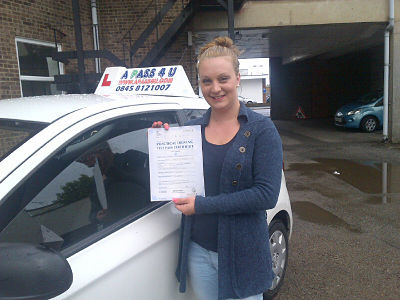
(101,214)
(159,124)
(185,205)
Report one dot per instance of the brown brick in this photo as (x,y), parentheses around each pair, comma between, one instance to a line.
(33,19)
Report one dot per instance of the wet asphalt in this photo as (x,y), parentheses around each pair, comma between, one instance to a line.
(344,187)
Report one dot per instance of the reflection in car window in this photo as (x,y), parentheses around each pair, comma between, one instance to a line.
(14,133)
(98,180)
(194,113)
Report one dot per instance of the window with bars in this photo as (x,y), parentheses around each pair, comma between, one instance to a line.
(37,68)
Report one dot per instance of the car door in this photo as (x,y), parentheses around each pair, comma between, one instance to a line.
(87,195)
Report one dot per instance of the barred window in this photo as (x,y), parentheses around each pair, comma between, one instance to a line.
(37,68)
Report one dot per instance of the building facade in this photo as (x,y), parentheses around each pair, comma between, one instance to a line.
(32,30)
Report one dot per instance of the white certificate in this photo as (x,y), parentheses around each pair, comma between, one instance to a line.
(176,162)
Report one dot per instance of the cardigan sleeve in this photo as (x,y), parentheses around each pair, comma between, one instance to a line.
(267,172)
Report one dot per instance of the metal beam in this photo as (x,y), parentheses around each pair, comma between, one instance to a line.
(223,4)
(231,20)
(72,78)
(166,38)
(79,45)
(149,29)
(65,55)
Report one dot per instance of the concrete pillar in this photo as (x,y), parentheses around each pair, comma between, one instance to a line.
(275,67)
(394,101)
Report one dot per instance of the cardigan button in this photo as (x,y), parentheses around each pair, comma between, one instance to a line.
(234,182)
(238,166)
(247,133)
(242,149)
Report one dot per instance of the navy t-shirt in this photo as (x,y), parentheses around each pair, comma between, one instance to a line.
(205,227)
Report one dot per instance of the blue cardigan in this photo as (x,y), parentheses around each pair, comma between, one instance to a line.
(250,184)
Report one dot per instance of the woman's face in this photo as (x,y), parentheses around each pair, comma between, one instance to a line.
(219,82)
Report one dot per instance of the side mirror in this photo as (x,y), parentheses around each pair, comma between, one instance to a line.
(32,272)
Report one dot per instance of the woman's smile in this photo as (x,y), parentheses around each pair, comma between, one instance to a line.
(218,98)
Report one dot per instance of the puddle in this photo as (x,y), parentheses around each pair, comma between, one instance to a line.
(310,212)
(367,176)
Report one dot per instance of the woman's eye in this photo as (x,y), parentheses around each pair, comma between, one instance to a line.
(206,81)
(223,79)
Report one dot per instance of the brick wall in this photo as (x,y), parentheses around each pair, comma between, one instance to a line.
(9,139)
(33,19)
(117,17)
(181,54)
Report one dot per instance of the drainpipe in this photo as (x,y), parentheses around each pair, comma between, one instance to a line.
(388,29)
(96,44)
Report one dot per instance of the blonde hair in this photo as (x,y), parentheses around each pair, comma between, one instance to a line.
(220,46)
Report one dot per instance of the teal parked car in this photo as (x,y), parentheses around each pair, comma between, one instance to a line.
(366,113)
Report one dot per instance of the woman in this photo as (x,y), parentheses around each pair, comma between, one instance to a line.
(224,246)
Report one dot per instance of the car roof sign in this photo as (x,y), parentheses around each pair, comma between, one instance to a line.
(164,80)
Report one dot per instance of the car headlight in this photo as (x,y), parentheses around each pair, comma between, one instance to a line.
(353,112)
(339,114)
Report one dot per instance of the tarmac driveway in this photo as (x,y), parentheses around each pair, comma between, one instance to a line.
(345,194)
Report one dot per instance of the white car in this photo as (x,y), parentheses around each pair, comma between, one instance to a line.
(56,237)
(245,100)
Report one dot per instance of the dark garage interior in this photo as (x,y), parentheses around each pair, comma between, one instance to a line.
(321,86)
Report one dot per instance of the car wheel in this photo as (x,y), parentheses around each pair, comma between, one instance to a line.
(369,124)
(278,242)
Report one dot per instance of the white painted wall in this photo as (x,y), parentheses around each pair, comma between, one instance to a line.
(251,88)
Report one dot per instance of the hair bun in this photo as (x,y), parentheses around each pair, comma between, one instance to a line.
(221,46)
(223,41)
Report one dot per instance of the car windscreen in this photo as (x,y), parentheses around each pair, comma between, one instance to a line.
(14,133)
(370,97)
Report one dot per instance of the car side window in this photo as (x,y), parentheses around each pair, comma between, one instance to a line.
(98,180)
(194,113)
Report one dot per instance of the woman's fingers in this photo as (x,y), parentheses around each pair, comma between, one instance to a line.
(156,124)
(179,201)
(159,124)
(185,205)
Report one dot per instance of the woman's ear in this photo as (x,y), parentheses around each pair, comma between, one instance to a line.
(238,79)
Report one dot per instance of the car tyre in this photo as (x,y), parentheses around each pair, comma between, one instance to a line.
(279,245)
(369,124)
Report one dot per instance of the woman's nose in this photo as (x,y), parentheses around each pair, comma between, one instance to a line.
(215,87)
